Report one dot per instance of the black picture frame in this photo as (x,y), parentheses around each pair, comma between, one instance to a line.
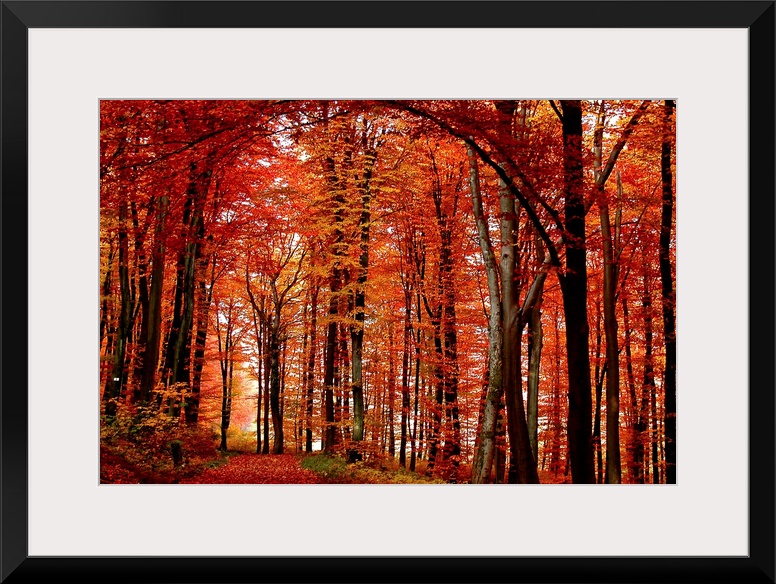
(18,16)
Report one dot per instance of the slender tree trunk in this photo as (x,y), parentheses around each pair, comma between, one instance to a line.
(599,383)
(613,466)
(405,381)
(106,295)
(266,351)
(655,435)
(357,330)
(500,459)
(668,293)
(152,345)
(415,445)
(483,457)
(535,341)
(391,392)
(634,438)
(649,374)
(331,348)
(117,376)
(556,403)
(178,358)
(141,269)
(274,384)
(523,464)
(448,321)
(310,373)
(435,428)
(225,349)
(203,300)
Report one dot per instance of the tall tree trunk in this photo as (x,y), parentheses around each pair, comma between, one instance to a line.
(391,392)
(203,300)
(667,289)
(446,333)
(523,464)
(226,362)
(335,283)
(357,330)
(649,374)
(435,428)
(556,402)
(153,341)
(613,467)
(405,380)
(599,384)
(415,444)
(634,438)
(116,379)
(483,457)
(310,370)
(274,384)
(178,357)
(265,445)
(106,295)
(655,435)
(574,291)
(535,340)
(259,336)
(141,269)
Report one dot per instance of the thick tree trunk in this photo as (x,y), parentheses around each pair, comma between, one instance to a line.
(574,291)
(668,293)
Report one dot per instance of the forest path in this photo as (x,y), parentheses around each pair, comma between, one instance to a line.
(258,469)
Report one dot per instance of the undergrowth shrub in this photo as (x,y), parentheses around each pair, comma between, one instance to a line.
(335,469)
(151,446)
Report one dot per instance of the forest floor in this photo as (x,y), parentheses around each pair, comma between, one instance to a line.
(243,468)
(258,469)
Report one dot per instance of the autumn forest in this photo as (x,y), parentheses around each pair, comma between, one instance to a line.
(406,291)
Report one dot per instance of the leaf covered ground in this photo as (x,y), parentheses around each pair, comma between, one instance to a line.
(242,468)
(258,469)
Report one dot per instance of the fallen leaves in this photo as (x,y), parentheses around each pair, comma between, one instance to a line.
(258,469)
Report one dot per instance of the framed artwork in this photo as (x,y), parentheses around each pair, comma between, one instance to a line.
(85,83)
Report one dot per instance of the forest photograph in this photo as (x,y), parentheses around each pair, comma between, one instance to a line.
(387,291)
